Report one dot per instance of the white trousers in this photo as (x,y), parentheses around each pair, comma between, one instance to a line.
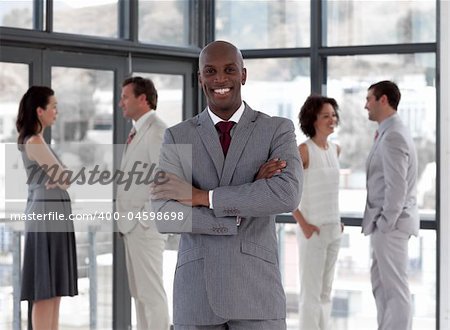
(144,258)
(317,260)
(390,280)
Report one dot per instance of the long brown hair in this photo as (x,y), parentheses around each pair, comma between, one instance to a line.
(27,122)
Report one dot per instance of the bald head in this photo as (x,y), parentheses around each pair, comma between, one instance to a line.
(217,49)
(221,75)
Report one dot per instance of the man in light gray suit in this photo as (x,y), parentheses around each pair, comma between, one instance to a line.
(144,245)
(227,274)
(391,214)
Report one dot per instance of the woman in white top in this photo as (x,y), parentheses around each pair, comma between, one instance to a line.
(318,214)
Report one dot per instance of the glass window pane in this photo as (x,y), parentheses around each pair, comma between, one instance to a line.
(83,134)
(13,83)
(348,80)
(351,22)
(164,22)
(170,96)
(263,24)
(353,305)
(95,18)
(277,87)
(85,109)
(18,14)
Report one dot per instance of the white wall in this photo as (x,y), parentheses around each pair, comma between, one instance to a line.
(445,166)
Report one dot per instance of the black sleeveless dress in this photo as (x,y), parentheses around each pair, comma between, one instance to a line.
(50,258)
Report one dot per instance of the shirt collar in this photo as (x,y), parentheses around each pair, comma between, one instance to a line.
(386,123)
(140,122)
(235,117)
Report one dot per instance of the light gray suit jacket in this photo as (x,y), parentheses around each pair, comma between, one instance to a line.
(391,181)
(141,153)
(225,271)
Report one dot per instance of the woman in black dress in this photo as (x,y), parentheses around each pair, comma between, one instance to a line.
(49,266)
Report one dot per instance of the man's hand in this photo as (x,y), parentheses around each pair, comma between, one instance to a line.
(177,189)
(308,230)
(49,185)
(270,168)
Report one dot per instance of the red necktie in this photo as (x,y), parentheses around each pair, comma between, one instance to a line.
(376,135)
(224,128)
(131,135)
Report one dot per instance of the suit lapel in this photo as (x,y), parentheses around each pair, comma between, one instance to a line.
(210,139)
(382,131)
(128,150)
(372,151)
(240,137)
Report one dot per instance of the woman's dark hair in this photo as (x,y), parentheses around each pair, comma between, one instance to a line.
(309,111)
(27,122)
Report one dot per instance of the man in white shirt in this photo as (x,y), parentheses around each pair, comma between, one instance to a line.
(143,243)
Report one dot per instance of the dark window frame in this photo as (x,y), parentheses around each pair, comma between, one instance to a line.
(202,17)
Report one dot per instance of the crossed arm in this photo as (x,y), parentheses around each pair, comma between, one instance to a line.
(182,197)
(275,189)
(179,190)
(38,150)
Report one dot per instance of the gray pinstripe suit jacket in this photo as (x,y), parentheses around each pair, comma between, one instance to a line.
(223,271)
(391,181)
